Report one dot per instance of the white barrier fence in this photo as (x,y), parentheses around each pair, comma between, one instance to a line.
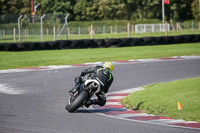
(144,28)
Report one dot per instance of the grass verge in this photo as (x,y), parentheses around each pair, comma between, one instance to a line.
(10,60)
(161,99)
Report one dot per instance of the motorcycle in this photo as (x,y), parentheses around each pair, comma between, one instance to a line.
(79,99)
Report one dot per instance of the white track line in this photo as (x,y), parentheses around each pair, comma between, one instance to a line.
(115,97)
(4,88)
(170,121)
(113,103)
(133,115)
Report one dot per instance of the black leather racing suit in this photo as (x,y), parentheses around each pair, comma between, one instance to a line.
(104,76)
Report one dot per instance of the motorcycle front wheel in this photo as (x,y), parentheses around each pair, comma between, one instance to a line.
(77,102)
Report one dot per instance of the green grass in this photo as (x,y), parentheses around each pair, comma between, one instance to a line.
(161,99)
(9,60)
(36,38)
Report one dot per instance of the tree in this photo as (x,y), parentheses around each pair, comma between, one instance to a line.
(56,6)
(24,6)
(180,9)
(177,10)
(3,8)
(147,9)
(112,9)
(80,9)
(100,9)
(15,7)
(196,9)
(143,9)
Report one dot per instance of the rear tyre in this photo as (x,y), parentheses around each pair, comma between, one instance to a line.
(77,103)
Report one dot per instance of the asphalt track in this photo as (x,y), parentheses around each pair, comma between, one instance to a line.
(36,104)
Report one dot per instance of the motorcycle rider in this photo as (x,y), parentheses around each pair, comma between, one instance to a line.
(100,73)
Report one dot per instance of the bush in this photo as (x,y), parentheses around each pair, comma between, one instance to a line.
(138,42)
(78,44)
(98,43)
(168,40)
(180,39)
(149,40)
(64,44)
(11,47)
(2,47)
(112,42)
(160,40)
(125,42)
(91,43)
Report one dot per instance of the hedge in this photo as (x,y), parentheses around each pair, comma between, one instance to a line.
(99,43)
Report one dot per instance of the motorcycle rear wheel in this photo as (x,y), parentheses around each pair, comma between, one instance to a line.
(77,102)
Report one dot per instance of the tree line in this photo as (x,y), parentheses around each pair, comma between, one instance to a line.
(88,10)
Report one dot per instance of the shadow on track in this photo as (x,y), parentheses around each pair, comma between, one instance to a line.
(99,110)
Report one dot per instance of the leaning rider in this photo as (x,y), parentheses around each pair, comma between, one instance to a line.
(103,75)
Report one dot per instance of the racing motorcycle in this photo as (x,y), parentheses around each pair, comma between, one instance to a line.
(79,99)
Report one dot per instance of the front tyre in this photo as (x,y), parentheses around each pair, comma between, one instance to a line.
(77,102)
